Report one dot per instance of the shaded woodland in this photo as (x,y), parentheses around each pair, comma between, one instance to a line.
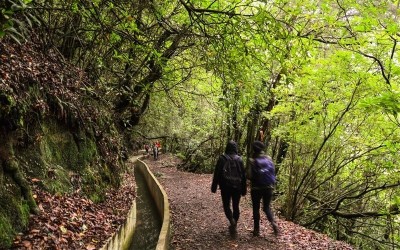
(318,81)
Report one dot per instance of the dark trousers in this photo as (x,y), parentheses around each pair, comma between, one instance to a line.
(229,195)
(256,196)
(155,153)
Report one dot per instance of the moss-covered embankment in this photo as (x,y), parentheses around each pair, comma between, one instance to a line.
(54,131)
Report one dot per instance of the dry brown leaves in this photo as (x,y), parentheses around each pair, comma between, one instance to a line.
(74,222)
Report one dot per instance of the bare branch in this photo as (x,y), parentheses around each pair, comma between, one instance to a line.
(190,8)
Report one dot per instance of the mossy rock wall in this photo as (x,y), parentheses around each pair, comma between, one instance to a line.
(58,158)
(61,147)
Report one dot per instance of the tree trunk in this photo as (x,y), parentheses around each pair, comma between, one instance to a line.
(11,168)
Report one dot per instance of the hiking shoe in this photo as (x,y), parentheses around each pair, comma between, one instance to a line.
(232,230)
(256,232)
(275,228)
(232,227)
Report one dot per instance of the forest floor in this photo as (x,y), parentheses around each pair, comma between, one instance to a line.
(72,221)
(198,220)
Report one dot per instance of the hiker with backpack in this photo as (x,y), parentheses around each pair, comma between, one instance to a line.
(261,173)
(230,176)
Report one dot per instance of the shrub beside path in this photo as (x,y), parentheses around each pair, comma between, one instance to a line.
(198,221)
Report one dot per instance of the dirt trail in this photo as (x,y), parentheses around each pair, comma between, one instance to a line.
(199,222)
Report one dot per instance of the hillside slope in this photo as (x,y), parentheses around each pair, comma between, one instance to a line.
(54,130)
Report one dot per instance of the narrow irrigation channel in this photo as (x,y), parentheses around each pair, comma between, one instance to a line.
(148,220)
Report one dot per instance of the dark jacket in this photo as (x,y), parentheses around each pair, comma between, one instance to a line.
(218,180)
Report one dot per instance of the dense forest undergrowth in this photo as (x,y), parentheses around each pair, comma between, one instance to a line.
(83,81)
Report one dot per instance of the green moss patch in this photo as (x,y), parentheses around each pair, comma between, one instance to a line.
(14,217)
(6,232)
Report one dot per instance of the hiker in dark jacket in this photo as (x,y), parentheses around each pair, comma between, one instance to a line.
(230,190)
(261,172)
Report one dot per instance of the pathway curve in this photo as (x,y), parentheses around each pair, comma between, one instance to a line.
(198,221)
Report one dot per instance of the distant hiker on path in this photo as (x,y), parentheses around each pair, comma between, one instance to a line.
(155,151)
(230,175)
(158,145)
(261,172)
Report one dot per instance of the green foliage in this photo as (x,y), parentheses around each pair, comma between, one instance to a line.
(389,102)
(341,142)
(321,80)
(15,19)
(186,116)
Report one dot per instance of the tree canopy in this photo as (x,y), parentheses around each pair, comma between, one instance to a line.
(318,78)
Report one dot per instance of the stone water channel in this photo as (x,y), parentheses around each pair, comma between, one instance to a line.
(147,225)
(148,219)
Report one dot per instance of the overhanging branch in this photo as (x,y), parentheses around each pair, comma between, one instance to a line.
(372,214)
(335,210)
(190,8)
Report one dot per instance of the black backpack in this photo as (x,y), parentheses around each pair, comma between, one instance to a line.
(231,172)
